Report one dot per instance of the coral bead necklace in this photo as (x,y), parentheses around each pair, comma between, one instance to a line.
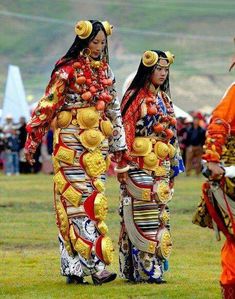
(93,81)
(164,122)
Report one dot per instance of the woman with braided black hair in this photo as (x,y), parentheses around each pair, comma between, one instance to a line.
(81,97)
(149,122)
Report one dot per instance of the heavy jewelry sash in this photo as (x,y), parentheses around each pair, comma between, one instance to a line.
(161,246)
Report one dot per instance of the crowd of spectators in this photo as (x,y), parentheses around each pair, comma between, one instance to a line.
(191,136)
(12,140)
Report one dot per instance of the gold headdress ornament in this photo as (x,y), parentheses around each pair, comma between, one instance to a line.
(84,28)
(150,58)
(233,59)
(107,27)
(170,57)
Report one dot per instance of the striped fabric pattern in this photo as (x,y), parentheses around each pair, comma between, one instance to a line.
(140,177)
(147,217)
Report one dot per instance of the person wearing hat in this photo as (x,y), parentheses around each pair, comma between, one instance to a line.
(216,209)
(81,96)
(8,125)
(150,127)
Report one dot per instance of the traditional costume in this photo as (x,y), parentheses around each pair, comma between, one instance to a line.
(81,96)
(149,122)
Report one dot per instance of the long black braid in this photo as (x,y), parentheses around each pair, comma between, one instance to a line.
(80,44)
(141,78)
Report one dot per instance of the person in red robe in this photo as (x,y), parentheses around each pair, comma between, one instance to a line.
(155,160)
(81,98)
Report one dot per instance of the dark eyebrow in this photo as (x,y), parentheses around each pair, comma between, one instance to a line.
(95,39)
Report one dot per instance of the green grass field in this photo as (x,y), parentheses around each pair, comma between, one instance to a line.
(29,253)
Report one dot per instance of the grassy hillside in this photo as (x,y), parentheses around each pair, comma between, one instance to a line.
(199,33)
(34,34)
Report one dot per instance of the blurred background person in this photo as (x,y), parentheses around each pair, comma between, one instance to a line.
(11,153)
(8,124)
(194,141)
(182,136)
(46,152)
(24,166)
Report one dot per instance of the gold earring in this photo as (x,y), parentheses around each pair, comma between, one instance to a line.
(86,52)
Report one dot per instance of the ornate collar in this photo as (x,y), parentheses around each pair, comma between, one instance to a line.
(152,89)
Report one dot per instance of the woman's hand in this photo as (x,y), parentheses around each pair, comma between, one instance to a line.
(29,157)
(122,177)
(216,170)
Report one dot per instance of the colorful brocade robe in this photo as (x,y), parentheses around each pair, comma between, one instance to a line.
(145,239)
(83,139)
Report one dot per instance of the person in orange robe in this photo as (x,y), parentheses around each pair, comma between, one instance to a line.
(219,150)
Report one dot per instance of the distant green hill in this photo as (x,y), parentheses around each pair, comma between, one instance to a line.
(34,34)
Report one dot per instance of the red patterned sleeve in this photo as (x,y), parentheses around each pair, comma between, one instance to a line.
(216,137)
(130,118)
(46,109)
(222,121)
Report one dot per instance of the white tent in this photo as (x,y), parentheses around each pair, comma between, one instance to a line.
(14,102)
(181,113)
(178,111)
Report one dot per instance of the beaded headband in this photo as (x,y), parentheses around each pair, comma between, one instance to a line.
(84,28)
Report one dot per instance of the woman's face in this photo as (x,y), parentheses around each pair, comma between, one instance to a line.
(160,73)
(97,45)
